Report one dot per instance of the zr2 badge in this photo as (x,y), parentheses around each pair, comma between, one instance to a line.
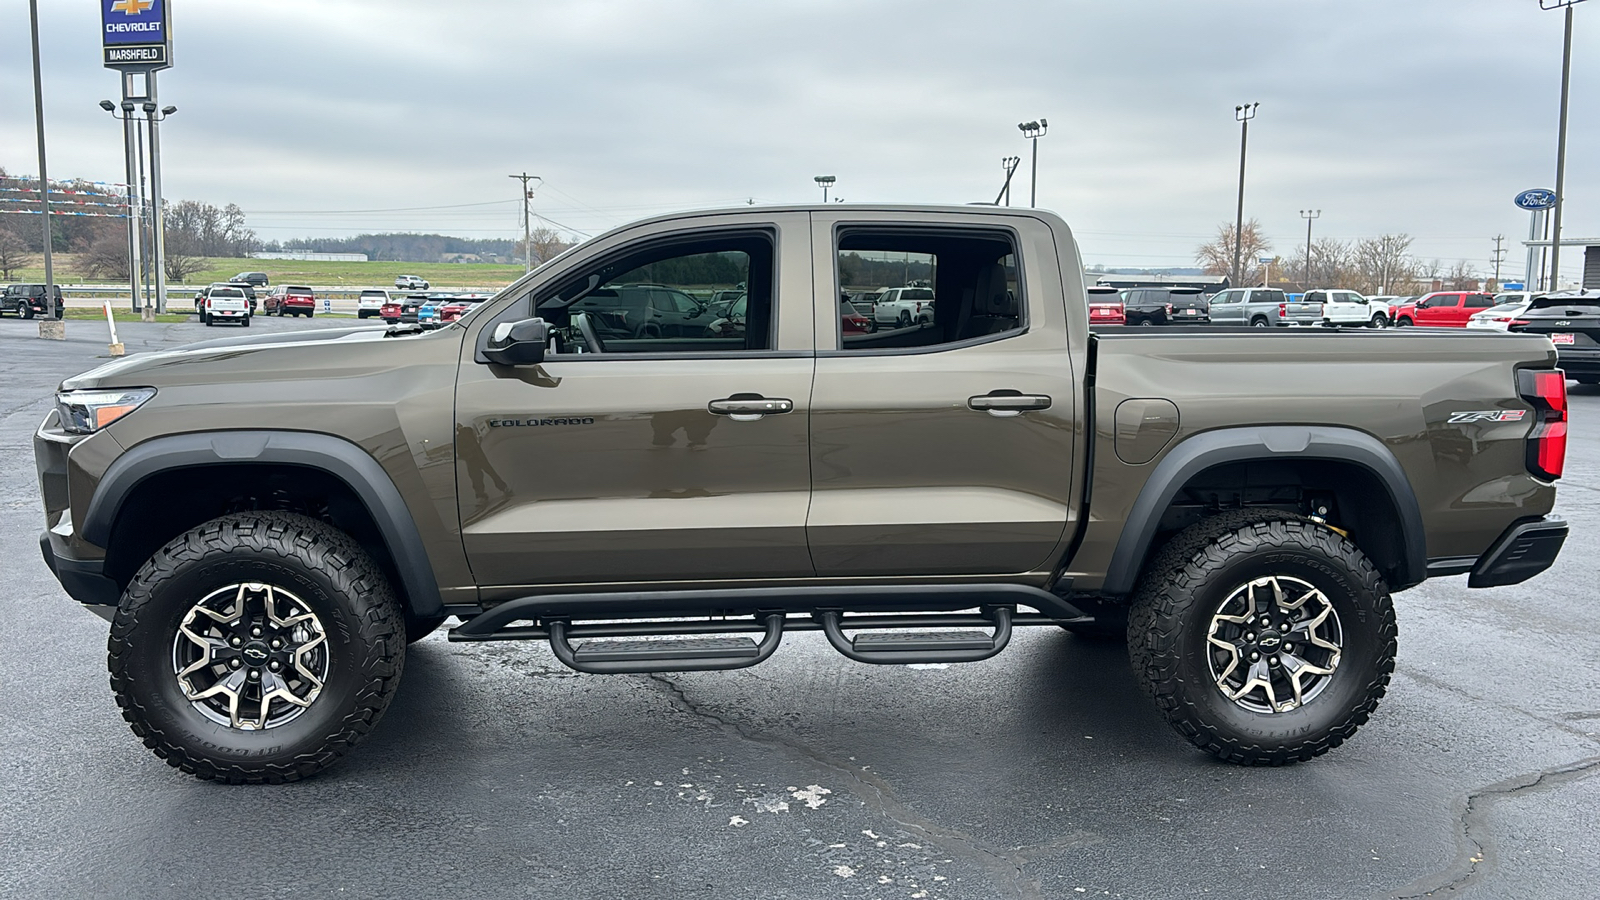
(1488,415)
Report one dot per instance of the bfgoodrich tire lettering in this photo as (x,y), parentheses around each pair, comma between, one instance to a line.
(325,571)
(1172,616)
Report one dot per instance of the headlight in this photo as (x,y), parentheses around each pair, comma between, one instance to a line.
(85,412)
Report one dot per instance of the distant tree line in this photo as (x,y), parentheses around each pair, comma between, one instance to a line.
(1372,266)
(399,247)
(857,271)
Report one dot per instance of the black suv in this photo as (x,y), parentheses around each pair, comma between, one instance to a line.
(254,279)
(1165,306)
(28,300)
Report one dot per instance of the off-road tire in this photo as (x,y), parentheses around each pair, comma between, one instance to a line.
(1186,584)
(323,567)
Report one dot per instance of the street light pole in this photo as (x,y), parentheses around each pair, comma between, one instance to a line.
(1032,131)
(44,177)
(1243,115)
(1561,139)
(1309,215)
(825,182)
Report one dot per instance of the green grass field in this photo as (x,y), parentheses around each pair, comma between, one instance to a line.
(123,315)
(292,271)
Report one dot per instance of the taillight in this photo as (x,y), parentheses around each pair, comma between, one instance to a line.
(1283,310)
(1547,442)
(1169,309)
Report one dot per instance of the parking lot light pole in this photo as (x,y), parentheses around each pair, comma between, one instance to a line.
(1309,215)
(134,204)
(825,182)
(1009,163)
(158,217)
(44,176)
(1243,115)
(1032,131)
(1561,138)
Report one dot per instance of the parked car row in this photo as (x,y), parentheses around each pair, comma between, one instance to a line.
(1262,307)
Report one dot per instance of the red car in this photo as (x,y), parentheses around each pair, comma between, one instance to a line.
(453,310)
(290,300)
(390,312)
(1442,309)
(852,321)
(1105,306)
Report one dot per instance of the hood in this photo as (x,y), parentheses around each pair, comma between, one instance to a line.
(225,359)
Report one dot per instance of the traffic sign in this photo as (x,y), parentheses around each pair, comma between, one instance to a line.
(135,35)
(1538,198)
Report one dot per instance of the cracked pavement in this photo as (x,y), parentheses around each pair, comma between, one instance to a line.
(1041,773)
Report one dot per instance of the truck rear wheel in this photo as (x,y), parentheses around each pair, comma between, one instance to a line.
(1265,641)
(258,647)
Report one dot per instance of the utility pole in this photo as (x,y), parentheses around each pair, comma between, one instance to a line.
(1309,215)
(1032,131)
(1242,115)
(527,216)
(1561,139)
(1499,254)
(44,177)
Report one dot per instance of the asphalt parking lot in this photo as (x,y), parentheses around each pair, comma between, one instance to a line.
(1040,773)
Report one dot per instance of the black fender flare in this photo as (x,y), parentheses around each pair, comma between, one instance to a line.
(335,456)
(1229,445)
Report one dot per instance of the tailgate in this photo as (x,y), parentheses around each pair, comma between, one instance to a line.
(1304,312)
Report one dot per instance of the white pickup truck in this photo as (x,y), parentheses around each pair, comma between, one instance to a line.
(903,307)
(225,304)
(1325,307)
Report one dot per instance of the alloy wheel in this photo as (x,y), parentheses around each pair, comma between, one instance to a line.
(251,656)
(1274,644)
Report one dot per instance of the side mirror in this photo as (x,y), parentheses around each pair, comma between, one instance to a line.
(520,343)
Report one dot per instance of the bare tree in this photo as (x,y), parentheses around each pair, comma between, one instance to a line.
(1217,255)
(1383,265)
(547,243)
(106,257)
(14,253)
(1461,277)
(1331,264)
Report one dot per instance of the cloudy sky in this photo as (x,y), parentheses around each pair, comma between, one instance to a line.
(332,117)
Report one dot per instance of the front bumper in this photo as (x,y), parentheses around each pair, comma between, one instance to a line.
(84,580)
(1526,549)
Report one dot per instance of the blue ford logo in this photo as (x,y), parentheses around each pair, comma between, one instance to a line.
(1538,198)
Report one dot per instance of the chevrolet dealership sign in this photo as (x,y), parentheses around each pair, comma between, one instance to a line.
(135,34)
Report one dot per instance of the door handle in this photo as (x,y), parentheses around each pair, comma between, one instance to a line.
(749,407)
(1006,403)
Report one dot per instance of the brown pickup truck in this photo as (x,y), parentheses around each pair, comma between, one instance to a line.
(597,460)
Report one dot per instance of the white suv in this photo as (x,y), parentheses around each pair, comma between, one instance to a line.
(409,283)
(370,303)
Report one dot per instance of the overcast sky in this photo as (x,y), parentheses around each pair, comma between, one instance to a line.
(1418,116)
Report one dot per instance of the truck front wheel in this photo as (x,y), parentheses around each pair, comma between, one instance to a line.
(257,647)
(1269,642)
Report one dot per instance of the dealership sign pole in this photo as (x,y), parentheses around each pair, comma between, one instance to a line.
(136,38)
(1538,202)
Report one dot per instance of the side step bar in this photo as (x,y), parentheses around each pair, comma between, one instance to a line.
(899,648)
(663,654)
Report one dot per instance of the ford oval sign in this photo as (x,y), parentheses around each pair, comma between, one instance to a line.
(1538,198)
